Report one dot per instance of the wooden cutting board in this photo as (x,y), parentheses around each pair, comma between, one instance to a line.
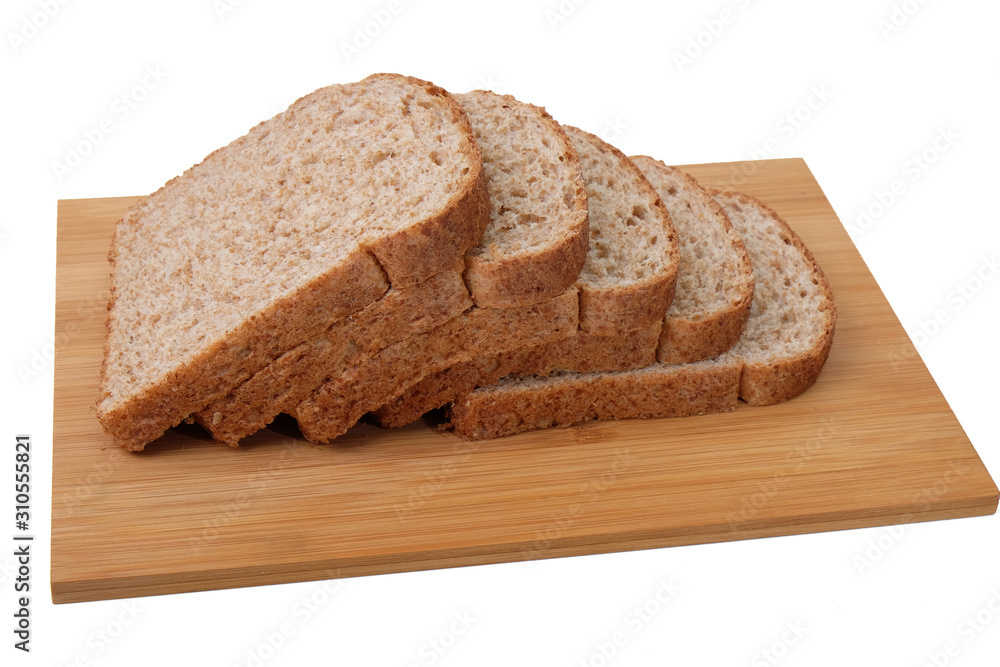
(872,443)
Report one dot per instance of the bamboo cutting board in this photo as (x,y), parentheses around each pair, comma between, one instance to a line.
(873,443)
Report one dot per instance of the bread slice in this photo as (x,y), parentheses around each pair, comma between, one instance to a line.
(310,216)
(630,273)
(788,336)
(715,279)
(530,252)
(783,347)
(537,238)
(626,285)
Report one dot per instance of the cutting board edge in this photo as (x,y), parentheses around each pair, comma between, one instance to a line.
(95,589)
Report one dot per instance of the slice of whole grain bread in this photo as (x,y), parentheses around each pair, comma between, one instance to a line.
(788,336)
(537,238)
(784,345)
(310,216)
(628,279)
(715,279)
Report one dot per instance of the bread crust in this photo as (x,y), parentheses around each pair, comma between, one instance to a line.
(339,403)
(685,340)
(653,393)
(282,384)
(639,306)
(582,353)
(528,279)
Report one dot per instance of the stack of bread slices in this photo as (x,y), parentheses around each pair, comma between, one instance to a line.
(387,248)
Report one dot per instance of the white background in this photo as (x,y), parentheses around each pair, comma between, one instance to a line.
(611,67)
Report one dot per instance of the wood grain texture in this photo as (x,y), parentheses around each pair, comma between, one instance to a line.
(872,443)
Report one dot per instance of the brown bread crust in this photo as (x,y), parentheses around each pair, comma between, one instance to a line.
(281,385)
(564,400)
(686,340)
(582,353)
(527,279)
(339,403)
